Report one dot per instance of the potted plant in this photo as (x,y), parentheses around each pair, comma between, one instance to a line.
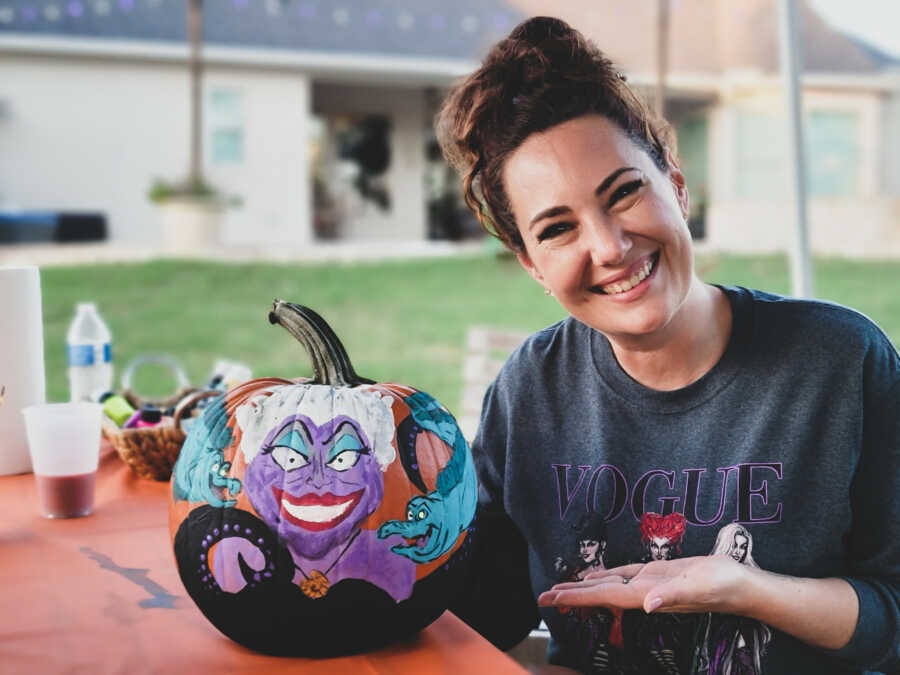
(190,214)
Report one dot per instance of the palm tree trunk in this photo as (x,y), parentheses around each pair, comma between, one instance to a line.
(195,36)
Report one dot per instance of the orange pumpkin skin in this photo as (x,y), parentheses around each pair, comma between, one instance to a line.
(316,518)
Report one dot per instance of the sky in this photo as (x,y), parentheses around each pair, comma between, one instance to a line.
(876,21)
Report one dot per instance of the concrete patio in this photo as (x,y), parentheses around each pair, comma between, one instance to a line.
(46,254)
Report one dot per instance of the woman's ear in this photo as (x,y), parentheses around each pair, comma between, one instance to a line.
(678,184)
(525,262)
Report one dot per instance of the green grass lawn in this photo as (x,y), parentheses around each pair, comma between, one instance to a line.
(401,321)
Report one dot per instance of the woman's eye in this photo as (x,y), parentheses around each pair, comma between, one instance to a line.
(625,190)
(344,461)
(554,230)
(288,459)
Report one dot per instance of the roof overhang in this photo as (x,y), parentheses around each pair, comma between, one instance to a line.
(347,66)
(409,71)
(881,82)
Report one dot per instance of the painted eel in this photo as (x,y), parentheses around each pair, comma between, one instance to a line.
(435,520)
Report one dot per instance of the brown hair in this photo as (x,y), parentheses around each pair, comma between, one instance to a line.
(544,73)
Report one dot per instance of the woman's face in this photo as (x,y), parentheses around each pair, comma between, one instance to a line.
(661,548)
(739,550)
(604,229)
(589,549)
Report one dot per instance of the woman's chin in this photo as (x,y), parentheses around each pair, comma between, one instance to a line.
(638,325)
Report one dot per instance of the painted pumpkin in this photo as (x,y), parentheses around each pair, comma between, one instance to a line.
(322,517)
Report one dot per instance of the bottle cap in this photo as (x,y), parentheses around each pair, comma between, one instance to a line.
(86,307)
(150,413)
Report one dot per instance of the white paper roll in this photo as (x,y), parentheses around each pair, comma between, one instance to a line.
(21,361)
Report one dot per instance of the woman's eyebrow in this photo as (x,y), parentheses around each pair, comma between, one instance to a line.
(549,213)
(603,187)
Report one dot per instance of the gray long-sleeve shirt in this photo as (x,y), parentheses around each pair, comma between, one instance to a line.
(794,435)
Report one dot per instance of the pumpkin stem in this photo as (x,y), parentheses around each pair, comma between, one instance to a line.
(331,365)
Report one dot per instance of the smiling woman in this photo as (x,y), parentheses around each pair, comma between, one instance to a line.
(668,408)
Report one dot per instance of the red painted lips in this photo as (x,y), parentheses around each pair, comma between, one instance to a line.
(316,512)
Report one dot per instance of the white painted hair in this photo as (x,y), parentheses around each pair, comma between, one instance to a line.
(321,403)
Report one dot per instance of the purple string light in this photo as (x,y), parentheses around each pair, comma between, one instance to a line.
(29,13)
(241,4)
(373,17)
(438,22)
(75,9)
(126,5)
(307,10)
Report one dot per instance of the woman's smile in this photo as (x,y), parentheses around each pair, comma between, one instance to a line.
(632,283)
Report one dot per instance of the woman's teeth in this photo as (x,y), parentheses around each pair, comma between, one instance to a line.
(628,284)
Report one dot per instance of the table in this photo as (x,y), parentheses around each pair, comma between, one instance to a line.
(101,594)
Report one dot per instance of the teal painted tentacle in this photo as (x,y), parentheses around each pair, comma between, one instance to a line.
(435,520)
(200,474)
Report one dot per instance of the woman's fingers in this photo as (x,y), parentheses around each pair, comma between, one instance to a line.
(588,582)
(685,585)
(613,593)
(623,571)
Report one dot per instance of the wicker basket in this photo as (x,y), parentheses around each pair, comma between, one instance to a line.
(151,451)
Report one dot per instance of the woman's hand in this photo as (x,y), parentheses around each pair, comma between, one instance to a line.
(698,584)
(821,612)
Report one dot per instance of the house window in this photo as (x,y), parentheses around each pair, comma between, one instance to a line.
(832,154)
(832,141)
(226,126)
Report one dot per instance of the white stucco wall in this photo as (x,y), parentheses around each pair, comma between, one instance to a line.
(272,181)
(85,133)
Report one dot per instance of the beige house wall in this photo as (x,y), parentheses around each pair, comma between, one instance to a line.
(858,227)
(890,120)
(866,224)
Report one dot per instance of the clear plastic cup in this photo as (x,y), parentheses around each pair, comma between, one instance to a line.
(64,443)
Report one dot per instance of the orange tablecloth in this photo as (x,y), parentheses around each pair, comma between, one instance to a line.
(101,594)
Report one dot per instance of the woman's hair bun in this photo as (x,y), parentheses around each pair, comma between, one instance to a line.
(542,74)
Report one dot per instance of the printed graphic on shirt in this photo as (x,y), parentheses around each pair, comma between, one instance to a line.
(731,645)
(606,489)
(660,642)
(596,630)
(605,640)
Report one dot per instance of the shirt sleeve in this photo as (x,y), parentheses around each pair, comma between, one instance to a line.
(498,600)
(874,542)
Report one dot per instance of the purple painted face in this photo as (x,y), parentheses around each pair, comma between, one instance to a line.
(313,485)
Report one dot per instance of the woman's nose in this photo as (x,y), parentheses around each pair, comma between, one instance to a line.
(608,243)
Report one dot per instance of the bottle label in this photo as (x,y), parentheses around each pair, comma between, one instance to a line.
(88,355)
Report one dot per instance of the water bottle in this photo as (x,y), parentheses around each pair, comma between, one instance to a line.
(89,350)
